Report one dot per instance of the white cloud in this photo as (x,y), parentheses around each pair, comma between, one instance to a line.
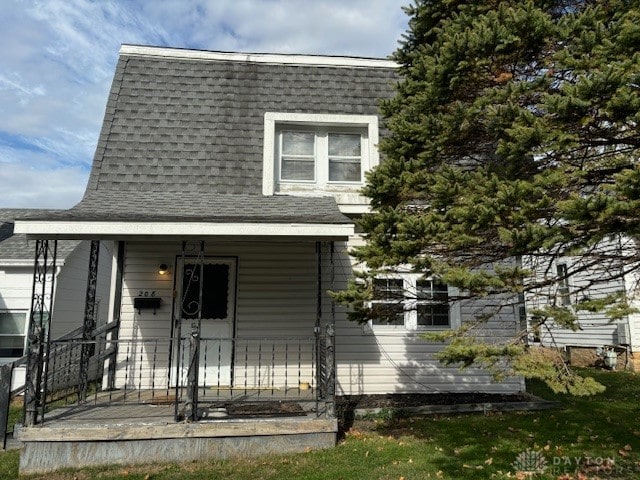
(24,186)
(59,55)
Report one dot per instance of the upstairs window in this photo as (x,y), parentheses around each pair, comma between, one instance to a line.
(318,152)
(412,302)
(318,155)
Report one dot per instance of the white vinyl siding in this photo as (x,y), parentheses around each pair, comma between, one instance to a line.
(16,285)
(595,328)
(276,297)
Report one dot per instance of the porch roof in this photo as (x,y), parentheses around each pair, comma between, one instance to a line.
(112,214)
(15,250)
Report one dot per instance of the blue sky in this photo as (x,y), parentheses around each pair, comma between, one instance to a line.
(58,57)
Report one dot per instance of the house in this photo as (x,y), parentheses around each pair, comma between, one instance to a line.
(569,280)
(229,184)
(16,289)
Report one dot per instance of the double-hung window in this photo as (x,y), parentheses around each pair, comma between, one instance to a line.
(13,326)
(319,155)
(412,302)
(318,152)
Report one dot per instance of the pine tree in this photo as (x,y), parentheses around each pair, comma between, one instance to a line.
(512,142)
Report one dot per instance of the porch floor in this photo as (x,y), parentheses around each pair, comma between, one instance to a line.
(103,432)
(158,406)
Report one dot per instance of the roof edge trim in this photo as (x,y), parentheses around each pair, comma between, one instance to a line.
(271,58)
(36,228)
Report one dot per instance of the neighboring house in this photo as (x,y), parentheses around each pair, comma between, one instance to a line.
(575,279)
(16,288)
(230,184)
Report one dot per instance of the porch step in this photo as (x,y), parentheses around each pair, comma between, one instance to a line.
(52,447)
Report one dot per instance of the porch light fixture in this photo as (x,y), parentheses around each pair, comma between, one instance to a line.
(163,269)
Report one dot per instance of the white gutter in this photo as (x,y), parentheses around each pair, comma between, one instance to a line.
(92,229)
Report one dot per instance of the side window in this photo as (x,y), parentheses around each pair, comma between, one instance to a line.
(412,302)
(563,284)
(13,325)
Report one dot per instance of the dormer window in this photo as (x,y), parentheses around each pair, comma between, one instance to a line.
(319,154)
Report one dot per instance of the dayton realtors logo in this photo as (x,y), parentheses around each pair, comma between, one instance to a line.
(530,461)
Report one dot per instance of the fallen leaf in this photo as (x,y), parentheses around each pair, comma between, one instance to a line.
(489,461)
(628,448)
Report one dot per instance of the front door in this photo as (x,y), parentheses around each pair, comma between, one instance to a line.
(208,297)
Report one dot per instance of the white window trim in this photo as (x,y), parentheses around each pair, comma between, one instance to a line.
(411,312)
(370,155)
(24,334)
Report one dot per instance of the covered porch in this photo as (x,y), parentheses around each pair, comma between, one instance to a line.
(230,348)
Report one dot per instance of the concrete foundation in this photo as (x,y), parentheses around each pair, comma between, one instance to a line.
(51,448)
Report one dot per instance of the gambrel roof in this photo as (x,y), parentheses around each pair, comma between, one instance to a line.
(183,133)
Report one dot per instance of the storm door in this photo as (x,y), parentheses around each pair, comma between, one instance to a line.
(207,299)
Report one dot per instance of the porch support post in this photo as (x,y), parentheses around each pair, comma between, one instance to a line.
(331,352)
(117,307)
(194,350)
(317,330)
(89,324)
(44,275)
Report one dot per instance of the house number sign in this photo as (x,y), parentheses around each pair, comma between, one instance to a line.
(146,293)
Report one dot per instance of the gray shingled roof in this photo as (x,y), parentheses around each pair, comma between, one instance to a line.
(14,246)
(183,138)
(107,205)
(197,126)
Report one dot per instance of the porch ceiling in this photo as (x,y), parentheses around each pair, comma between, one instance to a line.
(120,215)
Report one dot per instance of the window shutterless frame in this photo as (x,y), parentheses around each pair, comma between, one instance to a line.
(411,302)
(13,333)
(275,122)
(320,156)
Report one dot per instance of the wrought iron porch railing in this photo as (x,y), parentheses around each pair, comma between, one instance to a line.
(161,371)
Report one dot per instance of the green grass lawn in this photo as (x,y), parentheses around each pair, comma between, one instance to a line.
(581,440)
